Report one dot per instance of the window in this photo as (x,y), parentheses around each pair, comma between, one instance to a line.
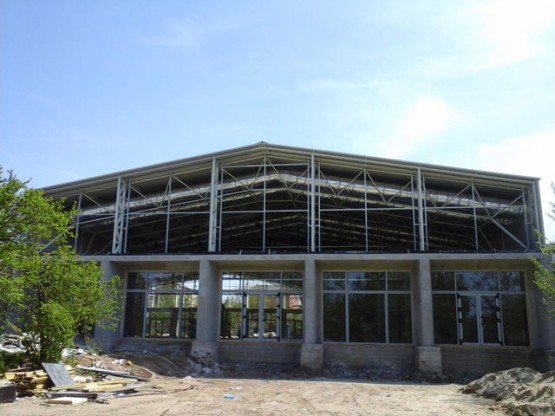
(367,307)
(262,305)
(479,307)
(161,305)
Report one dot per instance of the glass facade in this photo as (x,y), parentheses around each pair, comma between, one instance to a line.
(479,307)
(161,305)
(262,305)
(367,307)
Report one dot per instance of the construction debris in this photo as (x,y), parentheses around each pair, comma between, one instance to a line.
(30,382)
(12,343)
(58,384)
(519,391)
(7,391)
(124,374)
(57,373)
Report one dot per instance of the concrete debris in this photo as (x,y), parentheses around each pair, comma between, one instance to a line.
(12,343)
(519,391)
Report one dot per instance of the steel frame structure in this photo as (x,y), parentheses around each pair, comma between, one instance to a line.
(275,199)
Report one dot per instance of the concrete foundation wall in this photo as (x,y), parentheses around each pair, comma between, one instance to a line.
(474,362)
(266,352)
(399,358)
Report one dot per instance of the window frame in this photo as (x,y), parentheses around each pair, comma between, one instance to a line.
(150,293)
(347,290)
(477,293)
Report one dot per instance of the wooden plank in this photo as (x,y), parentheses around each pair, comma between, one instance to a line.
(79,386)
(67,400)
(57,373)
(112,373)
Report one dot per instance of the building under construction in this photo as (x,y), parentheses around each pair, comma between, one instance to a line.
(280,254)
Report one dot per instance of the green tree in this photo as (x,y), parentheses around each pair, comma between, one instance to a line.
(44,286)
(544,272)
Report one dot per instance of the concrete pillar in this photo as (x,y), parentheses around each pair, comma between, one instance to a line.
(208,312)
(428,356)
(542,326)
(107,338)
(312,350)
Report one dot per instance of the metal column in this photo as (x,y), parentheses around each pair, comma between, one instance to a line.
(421,213)
(312,205)
(120,220)
(213,226)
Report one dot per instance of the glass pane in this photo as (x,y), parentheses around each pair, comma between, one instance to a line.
(398,281)
(366,280)
(231,281)
(252,315)
(134,315)
(366,318)
(400,318)
(162,314)
(515,323)
(443,281)
(475,281)
(334,317)
(261,281)
(292,317)
(232,317)
(445,319)
(469,319)
(511,281)
(269,316)
(190,281)
(334,281)
(137,280)
(189,316)
(489,319)
(165,281)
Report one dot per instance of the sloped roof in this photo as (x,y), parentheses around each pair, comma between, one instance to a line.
(201,165)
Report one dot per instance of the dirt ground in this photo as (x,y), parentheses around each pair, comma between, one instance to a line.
(198,388)
(166,396)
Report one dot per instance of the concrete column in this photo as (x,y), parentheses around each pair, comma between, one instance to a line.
(208,312)
(312,350)
(542,326)
(428,356)
(107,338)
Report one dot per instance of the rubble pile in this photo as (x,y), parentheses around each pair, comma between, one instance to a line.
(519,391)
(12,343)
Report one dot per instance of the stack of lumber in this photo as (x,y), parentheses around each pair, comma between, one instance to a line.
(30,382)
(95,390)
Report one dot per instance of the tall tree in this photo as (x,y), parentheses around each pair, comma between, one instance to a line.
(44,285)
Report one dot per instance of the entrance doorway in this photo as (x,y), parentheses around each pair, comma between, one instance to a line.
(479,319)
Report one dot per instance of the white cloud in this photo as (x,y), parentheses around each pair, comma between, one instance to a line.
(330,84)
(422,122)
(512,30)
(188,34)
(529,156)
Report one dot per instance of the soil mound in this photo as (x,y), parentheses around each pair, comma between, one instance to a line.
(519,391)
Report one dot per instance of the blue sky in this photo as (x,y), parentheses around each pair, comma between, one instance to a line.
(94,87)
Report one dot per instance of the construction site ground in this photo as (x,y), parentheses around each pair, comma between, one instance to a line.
(182,386)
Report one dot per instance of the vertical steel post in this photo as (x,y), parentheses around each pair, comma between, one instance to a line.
(312,205)
(365,208)
(212,222)
(264,207)
(119,236)
(476,243)
(77,220)
(169,189)
(421,207)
